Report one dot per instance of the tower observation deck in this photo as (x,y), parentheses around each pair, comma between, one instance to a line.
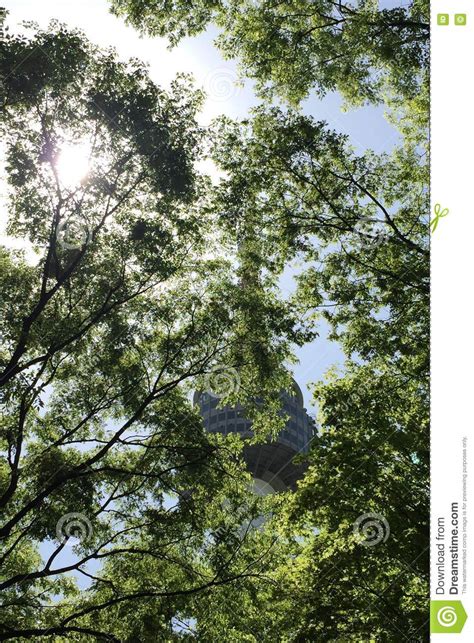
(270,463)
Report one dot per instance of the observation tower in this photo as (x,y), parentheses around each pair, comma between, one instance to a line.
(270,463)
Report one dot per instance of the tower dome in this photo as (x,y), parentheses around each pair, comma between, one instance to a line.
(270,463)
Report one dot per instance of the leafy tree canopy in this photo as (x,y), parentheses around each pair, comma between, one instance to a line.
(289,48)
(143,280)
(358,226)
(123,303)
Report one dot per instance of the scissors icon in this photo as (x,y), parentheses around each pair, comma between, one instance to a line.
(439,214)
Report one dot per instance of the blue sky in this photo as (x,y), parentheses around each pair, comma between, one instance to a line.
(366,126)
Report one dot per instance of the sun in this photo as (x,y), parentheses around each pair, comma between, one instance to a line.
(73,164)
